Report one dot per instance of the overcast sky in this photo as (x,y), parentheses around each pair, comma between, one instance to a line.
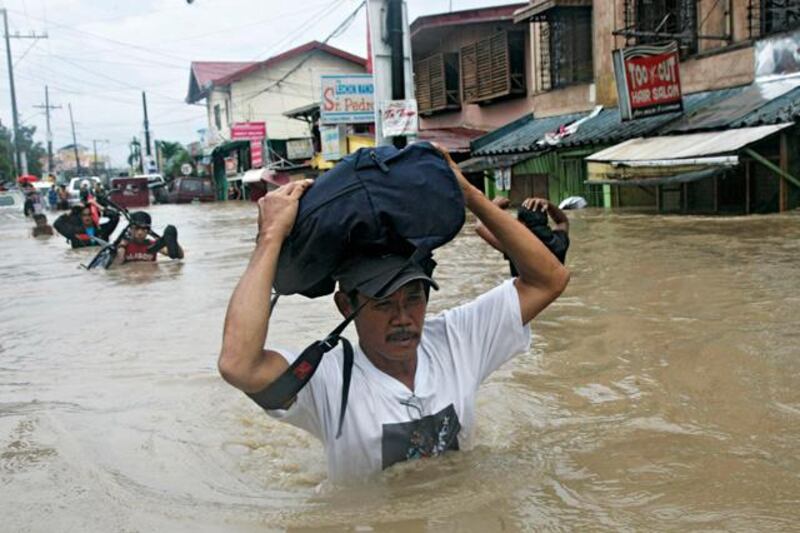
(100,55)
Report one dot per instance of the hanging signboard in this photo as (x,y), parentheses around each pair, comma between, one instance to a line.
(399,117)
(648,80)
(347,99)
(300,148)
(255,132)
(334,141)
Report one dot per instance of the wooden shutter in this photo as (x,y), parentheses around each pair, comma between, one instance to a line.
(486,69)
(436,84)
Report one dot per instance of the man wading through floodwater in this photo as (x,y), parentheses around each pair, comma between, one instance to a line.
(414,378)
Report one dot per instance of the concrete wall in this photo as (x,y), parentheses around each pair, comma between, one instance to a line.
(719,64)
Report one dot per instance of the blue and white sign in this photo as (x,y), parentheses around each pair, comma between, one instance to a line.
(347,99)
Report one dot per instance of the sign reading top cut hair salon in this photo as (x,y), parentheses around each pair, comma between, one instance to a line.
(648,80)
(347,99)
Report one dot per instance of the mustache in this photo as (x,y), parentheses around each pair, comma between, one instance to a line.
(402,335)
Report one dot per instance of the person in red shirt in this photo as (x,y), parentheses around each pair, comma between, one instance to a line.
(139,247)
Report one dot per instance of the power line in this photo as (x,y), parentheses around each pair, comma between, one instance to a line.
(340,28)
(160,53)
(306,24)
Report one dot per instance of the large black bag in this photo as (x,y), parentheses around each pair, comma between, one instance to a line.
(376,200)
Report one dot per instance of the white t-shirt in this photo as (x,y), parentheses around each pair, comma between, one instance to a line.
(385,422)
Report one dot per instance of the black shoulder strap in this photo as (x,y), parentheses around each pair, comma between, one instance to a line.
(347,372)
(281,393)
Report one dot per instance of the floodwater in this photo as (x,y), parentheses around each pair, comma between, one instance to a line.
(662,391)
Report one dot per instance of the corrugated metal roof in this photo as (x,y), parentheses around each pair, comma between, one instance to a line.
(685,177)
(734,110)
(686,146)
(454,139)
(608,127)
(521,135)
(785,108)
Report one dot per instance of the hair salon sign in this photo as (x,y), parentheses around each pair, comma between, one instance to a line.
(648,80)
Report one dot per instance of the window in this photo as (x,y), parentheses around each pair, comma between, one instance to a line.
(565,48)
(436,83)
(772,16)
(217,117)
(657,21)
(493,68)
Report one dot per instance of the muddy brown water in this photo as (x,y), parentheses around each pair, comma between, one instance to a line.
(662,391)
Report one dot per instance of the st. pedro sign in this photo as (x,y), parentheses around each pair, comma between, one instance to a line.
(648,80)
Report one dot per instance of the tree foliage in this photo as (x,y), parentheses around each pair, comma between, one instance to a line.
(173,154)
(34,151)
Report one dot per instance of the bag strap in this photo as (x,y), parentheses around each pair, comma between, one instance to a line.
(347,372)
(281,393)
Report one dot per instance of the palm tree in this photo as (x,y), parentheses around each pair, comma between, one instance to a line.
(135,157)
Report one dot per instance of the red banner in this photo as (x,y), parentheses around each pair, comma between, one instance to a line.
(648,80)
(251,131)
(256,154)
(255,132)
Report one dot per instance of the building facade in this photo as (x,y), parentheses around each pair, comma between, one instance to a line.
(733,64)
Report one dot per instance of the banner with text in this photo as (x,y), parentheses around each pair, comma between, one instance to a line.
(648,80)
(255,132)
(347,99)
(399,117)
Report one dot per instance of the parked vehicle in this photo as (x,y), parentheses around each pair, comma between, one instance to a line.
(130,192)
(157,186)
(190,188)
(74,188)
(153,180)
(11,200)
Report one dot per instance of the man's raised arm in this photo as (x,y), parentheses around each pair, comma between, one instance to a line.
(541,277)
(243,361)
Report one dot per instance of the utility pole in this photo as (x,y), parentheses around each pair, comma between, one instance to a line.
(20,163)
(390,45)
(47,107)
(74,143)
(146,130)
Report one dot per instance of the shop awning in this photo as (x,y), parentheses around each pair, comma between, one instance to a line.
(684,177)
(253,175)
(456,140)
(490,162)
(228,147)
(539,7)
(683,147)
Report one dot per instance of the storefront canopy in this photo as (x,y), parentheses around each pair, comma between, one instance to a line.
(228,147)
(681,149)
(684,177)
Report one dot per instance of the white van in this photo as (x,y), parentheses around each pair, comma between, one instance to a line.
(74,188)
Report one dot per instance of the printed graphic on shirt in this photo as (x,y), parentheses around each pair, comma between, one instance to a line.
(427,437)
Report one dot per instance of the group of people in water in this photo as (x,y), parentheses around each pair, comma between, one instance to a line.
(92,222)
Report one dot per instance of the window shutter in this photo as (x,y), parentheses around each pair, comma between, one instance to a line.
(436,83)
(488,71)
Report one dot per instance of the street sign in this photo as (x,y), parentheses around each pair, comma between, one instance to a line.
(648,80)
(186,169)
(399,117)
(347,99)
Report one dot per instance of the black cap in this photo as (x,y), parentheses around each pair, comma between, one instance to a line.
(140,219)
(380,276)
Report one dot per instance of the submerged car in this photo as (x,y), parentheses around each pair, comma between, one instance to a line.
(190,189)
